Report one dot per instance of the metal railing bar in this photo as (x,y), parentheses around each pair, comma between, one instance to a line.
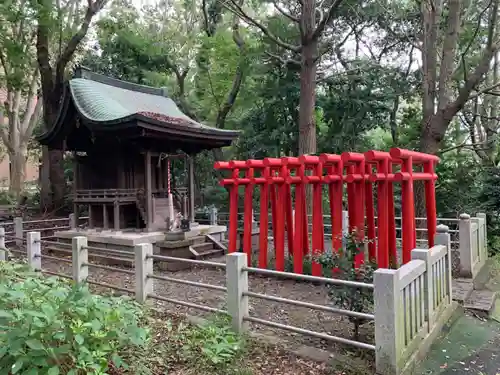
(109,268)
(15,238)
(307,332)
(226,214)
(64,251)
(55,243)
(17,251)
(105,285)
(6,223)
(49,257)
(110,251)
(45,220)
(187,304)
(192,261)
(44,229)
(312,306)
(187,282)
(295,276)
(128,260)
(57,274)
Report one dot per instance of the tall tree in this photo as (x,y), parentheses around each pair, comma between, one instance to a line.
(308,19)
(212,17)
(61,28)
(19,80)
(460,40)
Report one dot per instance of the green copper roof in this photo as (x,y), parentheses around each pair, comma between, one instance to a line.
(100,102)
(107,106)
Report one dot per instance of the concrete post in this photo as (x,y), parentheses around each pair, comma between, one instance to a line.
(3,248)
(34,250)
(237,286)
(143,268)
(389,321)
(80,259)
(18,230)
(425,255)
(213,216)
(442,237)
(465,246)
(345,228)
(484,250)
(72,221)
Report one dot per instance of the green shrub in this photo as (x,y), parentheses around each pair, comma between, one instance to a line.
(49,326)
(342,262)
(211,345)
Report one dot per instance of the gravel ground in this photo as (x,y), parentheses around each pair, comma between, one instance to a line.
(277,312)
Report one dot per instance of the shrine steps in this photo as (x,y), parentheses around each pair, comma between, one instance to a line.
(197,247)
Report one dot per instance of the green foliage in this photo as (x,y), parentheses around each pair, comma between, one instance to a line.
(212,346)
(7,198)
(49,326)
(342,264)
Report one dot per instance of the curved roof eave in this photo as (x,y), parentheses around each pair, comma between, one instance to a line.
(118,124)
(46,137)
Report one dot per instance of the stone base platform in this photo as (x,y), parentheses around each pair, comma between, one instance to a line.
(217,231)
(112,237)
(191,244)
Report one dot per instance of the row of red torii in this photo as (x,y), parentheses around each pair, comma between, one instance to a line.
(360,173)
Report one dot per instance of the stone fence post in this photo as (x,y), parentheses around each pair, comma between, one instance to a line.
(80,259)
(18,230)
(465,245)
(34,250)
(213,216)
(72,221)
(3,248)
(389,321)
(482,220)
(345,228)
(143,268)
(237,286)
(442,237)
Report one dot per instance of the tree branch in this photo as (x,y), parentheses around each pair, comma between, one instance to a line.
(464,94)
(285,62)
(69,50)
(4,135)
(486,90)
(236,9)
(326,19)
(35,117)
(449,49)
(30,108)
(284,13)
(205,17)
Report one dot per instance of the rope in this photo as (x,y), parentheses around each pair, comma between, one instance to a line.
(168,176)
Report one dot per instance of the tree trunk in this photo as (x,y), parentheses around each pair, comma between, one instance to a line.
(307,102)
(430,142)
(44,170)
(17,171)
(54,198)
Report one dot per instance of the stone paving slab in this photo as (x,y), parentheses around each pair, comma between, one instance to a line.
(462,289)
(481,300)
(471,347)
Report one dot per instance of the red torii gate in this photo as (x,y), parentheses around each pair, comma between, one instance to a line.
(359,172)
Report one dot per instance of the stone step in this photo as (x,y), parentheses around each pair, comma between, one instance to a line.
(210,254)
(462,289)
(201,247)
(481,301)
